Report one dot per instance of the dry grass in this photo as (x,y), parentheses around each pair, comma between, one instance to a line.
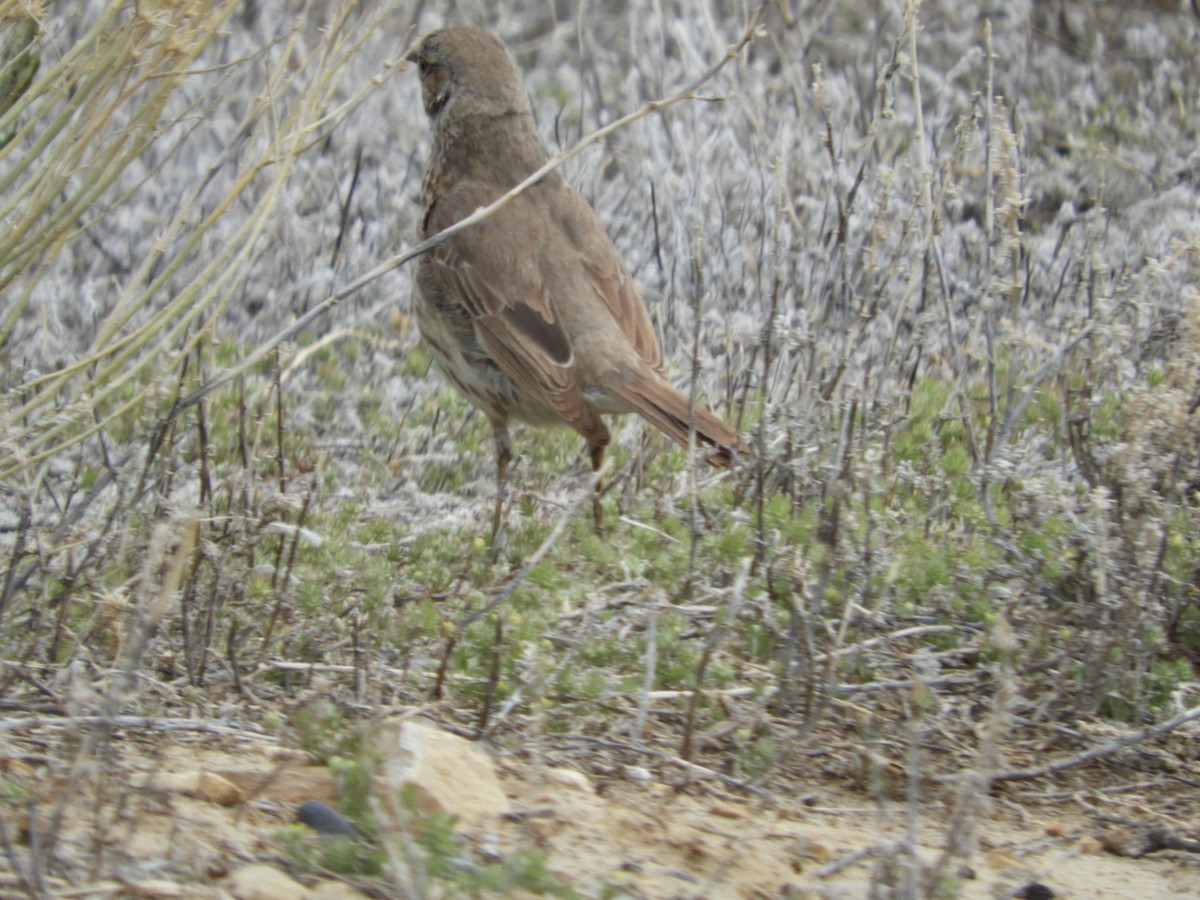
(943,272)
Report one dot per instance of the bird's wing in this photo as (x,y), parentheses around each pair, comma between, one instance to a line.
(492,269)
(577,222)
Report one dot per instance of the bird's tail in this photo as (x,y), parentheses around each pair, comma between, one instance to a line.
(669,410)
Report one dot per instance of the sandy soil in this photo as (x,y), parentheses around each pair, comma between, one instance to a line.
(176,837)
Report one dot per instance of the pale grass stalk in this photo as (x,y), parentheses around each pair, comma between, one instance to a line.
(34,208)
(118,358)
(649,670)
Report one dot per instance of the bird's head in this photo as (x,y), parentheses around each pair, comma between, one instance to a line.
(470,70)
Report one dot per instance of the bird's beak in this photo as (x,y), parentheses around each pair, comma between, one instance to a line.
(413,53)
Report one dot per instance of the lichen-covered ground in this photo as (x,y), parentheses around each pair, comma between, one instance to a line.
(940,265)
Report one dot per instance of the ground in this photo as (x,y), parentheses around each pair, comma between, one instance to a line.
(936,634)
(677,837)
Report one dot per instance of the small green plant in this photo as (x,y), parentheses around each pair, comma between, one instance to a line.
(321,728)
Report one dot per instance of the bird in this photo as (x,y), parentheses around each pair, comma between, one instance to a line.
(530,312)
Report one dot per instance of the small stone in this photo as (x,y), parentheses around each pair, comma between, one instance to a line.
(215,789)
(334,890)
(324,818)
(155,887)
(1035,890)
(571,778)
(728,811)
(807,848)
(16,768)
(261,882)
(1121,842)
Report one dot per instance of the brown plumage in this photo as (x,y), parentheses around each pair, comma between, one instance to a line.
(530,313)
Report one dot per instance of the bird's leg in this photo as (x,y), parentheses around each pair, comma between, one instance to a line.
(597,452)
(503,444)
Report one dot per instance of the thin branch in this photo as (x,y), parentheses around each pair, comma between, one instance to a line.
(141,723)
(1087,755)
(687,765)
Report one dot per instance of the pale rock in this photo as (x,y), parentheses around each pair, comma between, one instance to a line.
(261,882)
(158,888)
(334,890)
(216,789)
(729,810)
(451,775)
(571,778)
